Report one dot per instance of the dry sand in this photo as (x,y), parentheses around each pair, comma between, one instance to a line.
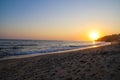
(101,63)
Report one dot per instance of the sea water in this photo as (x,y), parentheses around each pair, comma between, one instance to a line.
(9,47)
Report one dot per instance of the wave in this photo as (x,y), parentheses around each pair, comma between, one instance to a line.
(21,47)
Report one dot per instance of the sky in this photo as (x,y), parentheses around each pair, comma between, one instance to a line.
(58,19)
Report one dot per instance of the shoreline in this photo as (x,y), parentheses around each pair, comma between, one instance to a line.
(58,52)
(99,63)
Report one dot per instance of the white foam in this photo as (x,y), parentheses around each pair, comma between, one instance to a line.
(48,52)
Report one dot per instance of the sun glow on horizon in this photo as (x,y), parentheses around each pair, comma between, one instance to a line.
(94,36)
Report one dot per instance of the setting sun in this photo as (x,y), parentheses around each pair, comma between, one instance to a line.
(94,35)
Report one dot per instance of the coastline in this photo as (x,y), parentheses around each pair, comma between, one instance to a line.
(100,63)
(58,52)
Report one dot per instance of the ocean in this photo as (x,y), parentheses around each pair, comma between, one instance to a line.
(11,47)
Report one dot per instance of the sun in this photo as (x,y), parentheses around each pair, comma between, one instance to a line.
(94,35)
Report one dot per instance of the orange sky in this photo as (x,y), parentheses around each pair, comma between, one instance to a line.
(58,19)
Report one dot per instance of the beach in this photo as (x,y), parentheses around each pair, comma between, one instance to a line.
(98,63)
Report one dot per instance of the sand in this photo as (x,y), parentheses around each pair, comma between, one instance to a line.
(101,63)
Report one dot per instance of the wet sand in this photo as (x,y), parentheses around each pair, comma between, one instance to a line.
(101,63)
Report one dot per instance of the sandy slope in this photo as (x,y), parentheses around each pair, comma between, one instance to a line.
(102,63)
